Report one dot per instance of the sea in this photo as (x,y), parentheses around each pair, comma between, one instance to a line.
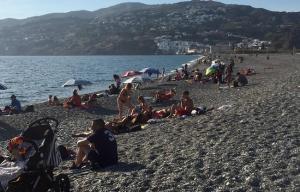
(33,78)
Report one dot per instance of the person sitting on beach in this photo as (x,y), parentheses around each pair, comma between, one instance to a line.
(55,101)
(74,101)
(113,90)
(117,80)
(50,101)
(197,75)
(124,99)
(241,80)
(99,147)
(142,108)
(15,106)
(184,108)
(164,95)
(91,101)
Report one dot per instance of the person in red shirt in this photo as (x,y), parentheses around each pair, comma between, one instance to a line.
(74,101)
(184,108)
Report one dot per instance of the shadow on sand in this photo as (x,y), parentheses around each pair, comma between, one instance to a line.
(124,167)
(101,111)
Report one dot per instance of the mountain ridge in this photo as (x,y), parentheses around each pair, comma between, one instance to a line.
(133,28)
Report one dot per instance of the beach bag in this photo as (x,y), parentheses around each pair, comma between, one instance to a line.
(235,83)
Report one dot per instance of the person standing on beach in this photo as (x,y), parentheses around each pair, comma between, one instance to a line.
(124,99)
(228,71)
(163,72)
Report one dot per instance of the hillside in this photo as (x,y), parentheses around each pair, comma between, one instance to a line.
(135,28)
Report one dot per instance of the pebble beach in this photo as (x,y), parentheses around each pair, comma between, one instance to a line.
(250,141)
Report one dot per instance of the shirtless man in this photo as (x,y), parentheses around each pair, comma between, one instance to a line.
(185,107)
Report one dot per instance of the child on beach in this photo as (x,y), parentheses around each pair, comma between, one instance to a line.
(124,99)
(50,102)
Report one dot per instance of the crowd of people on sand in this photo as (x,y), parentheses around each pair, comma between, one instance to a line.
(98,147)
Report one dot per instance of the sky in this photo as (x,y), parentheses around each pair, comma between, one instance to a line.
(27,8)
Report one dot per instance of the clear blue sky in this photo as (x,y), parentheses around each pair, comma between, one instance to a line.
(27,8)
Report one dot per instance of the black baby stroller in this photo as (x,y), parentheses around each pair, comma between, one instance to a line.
(38,175)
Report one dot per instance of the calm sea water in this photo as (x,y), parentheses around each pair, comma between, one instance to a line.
(33,78)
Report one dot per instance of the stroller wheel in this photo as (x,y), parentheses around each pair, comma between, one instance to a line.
(62,183)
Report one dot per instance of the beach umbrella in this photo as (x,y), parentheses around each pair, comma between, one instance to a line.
(150,71)
(137,79)
(131,73)
(74,82)
(210,71)
(2,87)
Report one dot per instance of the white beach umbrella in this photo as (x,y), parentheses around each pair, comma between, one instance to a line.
(73,82)
(137,79)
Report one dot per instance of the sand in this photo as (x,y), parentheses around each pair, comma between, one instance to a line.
(249,142)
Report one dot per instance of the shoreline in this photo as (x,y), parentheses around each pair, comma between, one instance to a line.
(102,90)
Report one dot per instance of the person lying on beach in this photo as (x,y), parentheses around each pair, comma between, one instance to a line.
(127,124)
(159,114)
(91,101)
(247,71)
(74,101)
(15,106)
(184,108)
(124,99)
(240,80)
(99,147)
(141,108)
(164,95)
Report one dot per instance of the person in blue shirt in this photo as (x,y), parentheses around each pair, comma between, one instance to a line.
(15,106)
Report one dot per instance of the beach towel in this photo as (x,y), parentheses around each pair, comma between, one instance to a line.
(10,170)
